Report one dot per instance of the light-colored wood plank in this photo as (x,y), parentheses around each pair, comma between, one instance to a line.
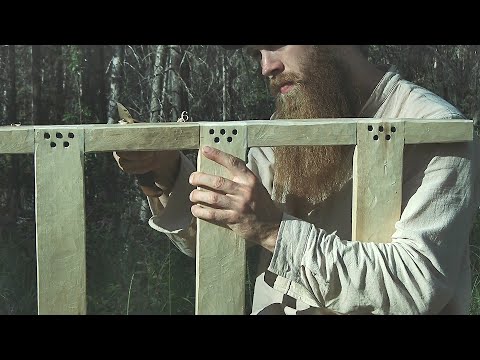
(302,132)
(60,221)
(16,140)
(438,131)
(377,180)
(163,136)
(99,137)
(221,264)
(220,258)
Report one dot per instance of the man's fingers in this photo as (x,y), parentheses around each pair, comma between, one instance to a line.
(217,216)
(232,163)
(214,182)
(212,199)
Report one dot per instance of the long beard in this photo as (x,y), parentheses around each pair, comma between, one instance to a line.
(307,175)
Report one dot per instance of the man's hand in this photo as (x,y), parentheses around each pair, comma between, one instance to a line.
(241,204)
(163,164)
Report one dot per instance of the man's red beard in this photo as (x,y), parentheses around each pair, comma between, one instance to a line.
(307,175)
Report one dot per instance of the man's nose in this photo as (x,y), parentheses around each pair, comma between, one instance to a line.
(271,64)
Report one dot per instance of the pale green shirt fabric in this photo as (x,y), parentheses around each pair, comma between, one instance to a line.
(424,269)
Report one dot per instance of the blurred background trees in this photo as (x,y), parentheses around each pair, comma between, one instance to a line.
(132,269)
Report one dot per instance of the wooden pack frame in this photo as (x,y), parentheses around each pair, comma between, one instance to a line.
(220,258)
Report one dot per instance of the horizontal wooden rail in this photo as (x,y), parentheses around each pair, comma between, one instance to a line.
(220,272)
(170,136)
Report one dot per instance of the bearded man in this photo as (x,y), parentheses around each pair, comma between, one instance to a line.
(295,202)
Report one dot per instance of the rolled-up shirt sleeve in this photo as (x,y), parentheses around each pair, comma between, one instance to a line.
(176,219)
(414,272)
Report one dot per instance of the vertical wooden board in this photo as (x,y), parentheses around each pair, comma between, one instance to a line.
(220,258)
(60,221)
(377,180)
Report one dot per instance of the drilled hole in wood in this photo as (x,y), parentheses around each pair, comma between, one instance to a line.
(380,128)
(394,129)
(70,135)
(59,135)
(388,137)
(229,139)
(217,139)
(66,144)
(52,144)
(375,137)
(212,131)
(222,131)
(234,132)
(46,136)
(370,128)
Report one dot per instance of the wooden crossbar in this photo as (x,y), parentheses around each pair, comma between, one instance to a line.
(220,258)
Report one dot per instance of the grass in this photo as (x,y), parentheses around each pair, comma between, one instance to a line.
(143,274)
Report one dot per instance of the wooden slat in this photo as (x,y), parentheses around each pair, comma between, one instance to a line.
(260,133)
(60,221)
(438,131)
(220,258)
(377,180)
(16,140)
(302,132)
(164,136)
(220,255)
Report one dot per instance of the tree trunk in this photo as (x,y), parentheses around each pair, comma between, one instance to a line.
(12,86)
(13,179)
(86,98)
(157,83)
(175,83)
(185,81)
(116,82)
(110,170)
(3,61)
(226,82)
(165,102)
(100,84)
(232,74)
(59,100)
(37,106)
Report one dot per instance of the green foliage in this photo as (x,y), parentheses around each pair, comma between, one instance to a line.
(475,266)
(132,269)
(74,59)
(147,275)
(18,268)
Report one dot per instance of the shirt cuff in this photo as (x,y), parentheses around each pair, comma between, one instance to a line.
(288,258)
(293,236)
(176,216)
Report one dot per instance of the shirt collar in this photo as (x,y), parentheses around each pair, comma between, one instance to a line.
(381,92)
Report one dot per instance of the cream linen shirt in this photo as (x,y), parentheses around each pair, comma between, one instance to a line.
(424,269)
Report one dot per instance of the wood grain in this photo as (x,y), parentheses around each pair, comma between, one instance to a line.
(220,258)
(16,140)
(377,180)
(60,221)
(141,137)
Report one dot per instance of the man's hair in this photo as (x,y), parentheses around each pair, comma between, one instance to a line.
(364,50)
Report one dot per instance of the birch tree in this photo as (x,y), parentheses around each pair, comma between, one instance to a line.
(116,81)
(157,83)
